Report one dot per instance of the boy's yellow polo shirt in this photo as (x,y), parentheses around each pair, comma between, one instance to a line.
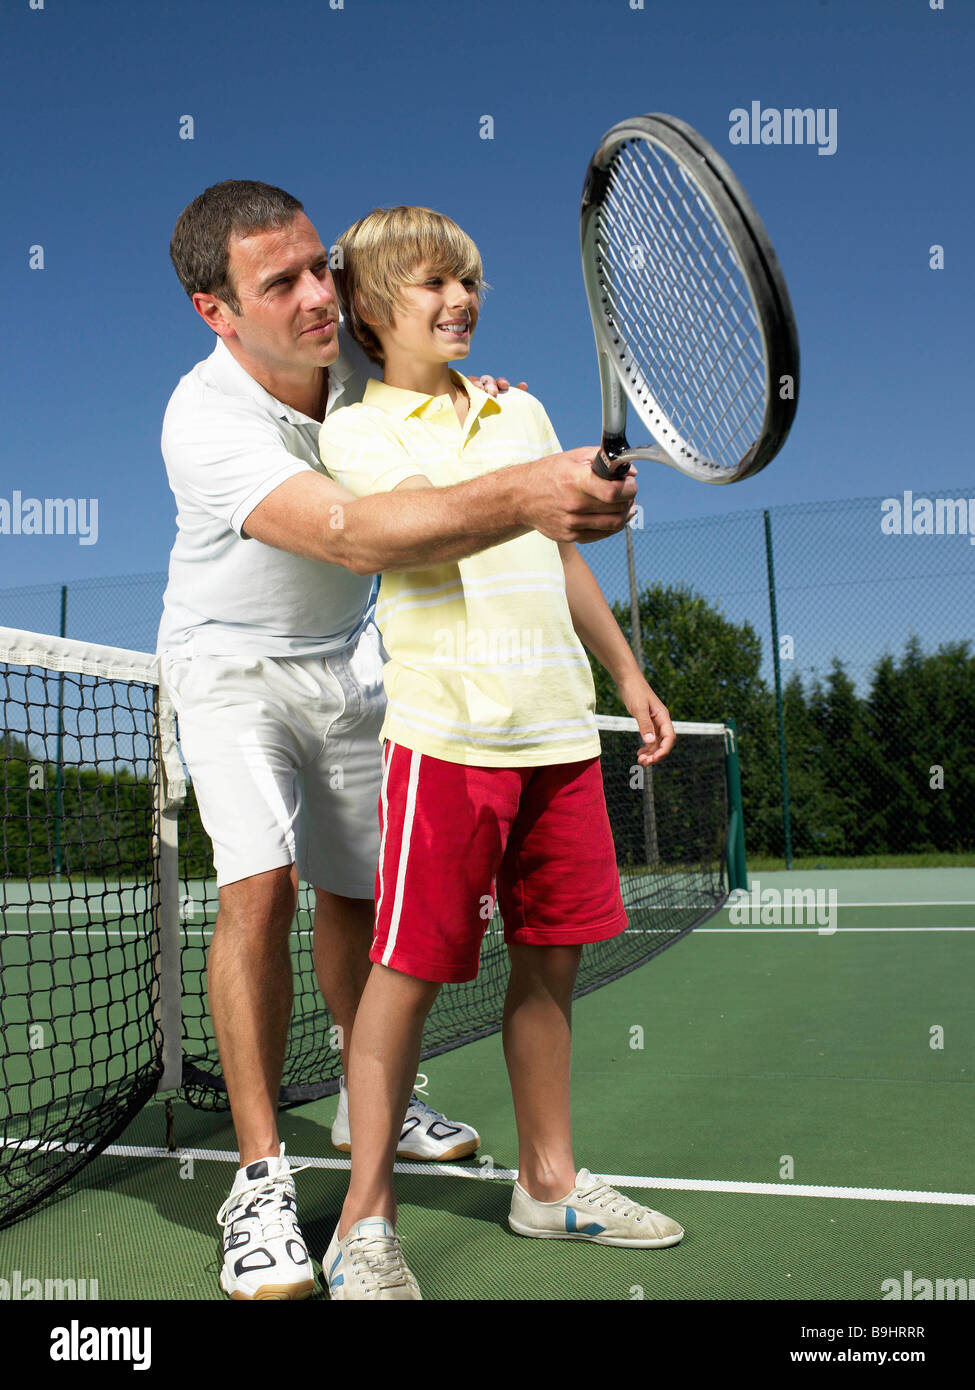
(485,667)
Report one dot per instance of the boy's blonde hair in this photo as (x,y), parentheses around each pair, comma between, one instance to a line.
(383,251)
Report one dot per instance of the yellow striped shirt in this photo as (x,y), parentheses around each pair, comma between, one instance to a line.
(485,667)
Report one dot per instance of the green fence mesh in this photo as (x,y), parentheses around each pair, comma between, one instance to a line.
(866,747)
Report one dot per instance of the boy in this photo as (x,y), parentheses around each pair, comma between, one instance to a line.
(491,758)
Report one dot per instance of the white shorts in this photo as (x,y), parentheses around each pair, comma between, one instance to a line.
(285,760)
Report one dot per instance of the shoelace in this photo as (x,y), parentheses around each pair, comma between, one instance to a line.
(602,1195)
(418,1103)
(265,1194)
(383,1260)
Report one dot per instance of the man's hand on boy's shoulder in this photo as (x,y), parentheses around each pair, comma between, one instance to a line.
(493,386)
(653,717)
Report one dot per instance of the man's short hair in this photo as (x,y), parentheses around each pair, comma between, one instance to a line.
(200,248)
(382,252)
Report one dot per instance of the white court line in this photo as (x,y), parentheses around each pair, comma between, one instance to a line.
(631,931)
(745,897)
(825,931)
(453,1170)
(22,909)
(937,902)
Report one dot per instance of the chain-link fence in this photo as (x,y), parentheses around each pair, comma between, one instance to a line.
(837,634)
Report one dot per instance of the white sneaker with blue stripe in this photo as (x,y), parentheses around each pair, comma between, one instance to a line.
(595,1212)
(367,1263)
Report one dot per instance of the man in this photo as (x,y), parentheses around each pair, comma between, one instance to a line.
(275,669)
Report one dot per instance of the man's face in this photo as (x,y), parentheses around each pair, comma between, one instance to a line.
(288,306)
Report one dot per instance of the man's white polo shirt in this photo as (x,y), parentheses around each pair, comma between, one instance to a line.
(227,443)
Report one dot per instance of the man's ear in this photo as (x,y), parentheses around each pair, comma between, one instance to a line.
(215,314)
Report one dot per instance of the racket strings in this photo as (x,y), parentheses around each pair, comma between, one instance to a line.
(680,304)
(695,348)
(708,345)
(693,282)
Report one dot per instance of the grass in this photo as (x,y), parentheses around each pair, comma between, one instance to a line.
(930,859)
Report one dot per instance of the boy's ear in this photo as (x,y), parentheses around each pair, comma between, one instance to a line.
(357,303)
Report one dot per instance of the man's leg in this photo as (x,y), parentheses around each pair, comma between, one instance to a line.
(250,992)
(537,1038)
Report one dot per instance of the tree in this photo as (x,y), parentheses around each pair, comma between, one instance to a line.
(707,668)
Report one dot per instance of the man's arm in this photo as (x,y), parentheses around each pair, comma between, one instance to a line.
(598,630)
(560,496)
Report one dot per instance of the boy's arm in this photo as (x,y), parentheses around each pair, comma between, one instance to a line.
(598,630)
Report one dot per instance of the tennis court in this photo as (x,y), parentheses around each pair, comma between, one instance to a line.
(790,1078)
(797,1095)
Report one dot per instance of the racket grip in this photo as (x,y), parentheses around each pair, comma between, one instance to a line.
(605,467)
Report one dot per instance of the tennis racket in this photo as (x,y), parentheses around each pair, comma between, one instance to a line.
(689,307)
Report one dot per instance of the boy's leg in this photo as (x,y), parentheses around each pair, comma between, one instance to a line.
(558,888)
(537,1037)
(383,1058)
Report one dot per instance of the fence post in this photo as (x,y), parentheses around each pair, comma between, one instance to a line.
(779,710)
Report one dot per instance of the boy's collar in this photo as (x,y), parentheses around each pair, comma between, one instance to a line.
(396,400)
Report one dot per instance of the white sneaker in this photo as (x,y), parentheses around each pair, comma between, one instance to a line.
(592,1211)
(427,1135)
(368,1264)
(264,1255)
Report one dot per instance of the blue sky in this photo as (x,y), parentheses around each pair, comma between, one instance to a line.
(380,102)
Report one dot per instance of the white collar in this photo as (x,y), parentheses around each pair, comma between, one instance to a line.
(230,373)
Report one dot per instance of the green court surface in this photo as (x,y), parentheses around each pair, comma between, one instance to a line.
(799,1097)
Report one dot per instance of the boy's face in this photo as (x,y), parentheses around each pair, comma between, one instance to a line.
(436,320)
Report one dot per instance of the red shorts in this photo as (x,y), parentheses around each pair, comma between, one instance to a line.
(449,831)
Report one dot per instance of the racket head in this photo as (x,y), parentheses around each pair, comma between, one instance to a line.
(690,309)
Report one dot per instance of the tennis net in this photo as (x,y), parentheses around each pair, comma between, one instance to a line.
(108,904)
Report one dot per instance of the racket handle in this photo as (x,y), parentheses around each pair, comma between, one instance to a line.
(606,464)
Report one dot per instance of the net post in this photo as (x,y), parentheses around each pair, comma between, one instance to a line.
(779,711)
(59,788)
(170,791)
(737,865)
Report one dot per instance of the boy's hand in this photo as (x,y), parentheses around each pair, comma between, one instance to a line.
(653,718)
(494,385)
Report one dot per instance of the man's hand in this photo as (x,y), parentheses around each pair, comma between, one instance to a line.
(495,385)
(653,718)
(566,501)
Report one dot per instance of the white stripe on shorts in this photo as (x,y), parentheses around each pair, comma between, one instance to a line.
(404,849)
(384,803)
